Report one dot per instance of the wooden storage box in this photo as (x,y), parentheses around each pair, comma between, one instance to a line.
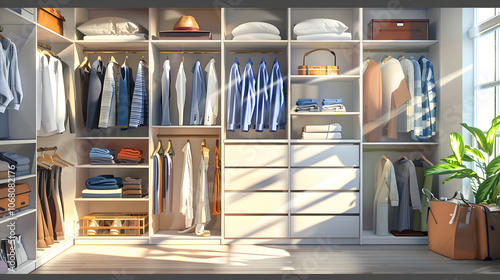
(51,18)
(114,224)
(398,29)
(22,198)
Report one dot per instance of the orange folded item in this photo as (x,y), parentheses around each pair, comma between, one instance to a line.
(130,152)
(121,156)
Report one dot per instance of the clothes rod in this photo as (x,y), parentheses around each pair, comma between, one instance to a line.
(45,46)
(44,149)
(187,136)
(190,51)
(256,51)
(397,50)
(115,51)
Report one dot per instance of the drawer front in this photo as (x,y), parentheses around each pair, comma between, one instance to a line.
(325,203)
(256,203)
(346,179)
(325,155)
(325,226)
(256,155)
(256,179)
(256,227)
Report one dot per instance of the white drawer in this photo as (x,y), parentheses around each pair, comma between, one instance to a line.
(256,155)
(256,227)
(325,203)
(346,179)
(256,203)
(254,179)
(325,155)
(325,226)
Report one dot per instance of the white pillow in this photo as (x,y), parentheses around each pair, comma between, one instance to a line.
(257,36)
(255,27)
(111,26)
(319,26)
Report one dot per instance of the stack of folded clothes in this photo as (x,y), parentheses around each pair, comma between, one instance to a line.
(332,105)
(4,169)
(321,29)
(133,188)
(21,163)
(103,186)
(100,156)
(322,132)
(256,31)
(129,156)
(307,105)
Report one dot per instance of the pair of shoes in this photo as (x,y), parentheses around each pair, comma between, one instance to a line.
(116,223)
(93,223)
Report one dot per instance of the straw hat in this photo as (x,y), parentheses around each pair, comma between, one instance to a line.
(186,23)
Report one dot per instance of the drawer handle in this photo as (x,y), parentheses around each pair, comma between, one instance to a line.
(400,24)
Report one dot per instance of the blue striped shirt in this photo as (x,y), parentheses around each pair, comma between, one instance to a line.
(139,109)
(247,97)
(234,97)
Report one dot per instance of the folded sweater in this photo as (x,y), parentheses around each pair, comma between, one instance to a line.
(132,181)
(130,152)
(323,128)
(14,159)
(321,135)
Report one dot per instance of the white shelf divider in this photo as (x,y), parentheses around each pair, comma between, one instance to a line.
(331,44)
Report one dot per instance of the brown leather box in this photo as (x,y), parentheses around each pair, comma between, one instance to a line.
(22,197)
(50,18)
(398,29)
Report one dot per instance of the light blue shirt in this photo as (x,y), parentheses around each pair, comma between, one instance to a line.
(262,102)
(247,97)
(234,97)
(198,95)
(276,100)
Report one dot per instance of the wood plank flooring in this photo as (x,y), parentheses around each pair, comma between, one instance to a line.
(265,259)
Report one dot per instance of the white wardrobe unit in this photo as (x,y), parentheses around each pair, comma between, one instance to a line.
(276,187)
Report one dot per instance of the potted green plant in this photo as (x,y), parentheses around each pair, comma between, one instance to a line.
(486,182)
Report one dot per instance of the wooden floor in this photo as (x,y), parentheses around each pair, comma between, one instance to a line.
(307,259)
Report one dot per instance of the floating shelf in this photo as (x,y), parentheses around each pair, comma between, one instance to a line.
(329,44)
(186,127)
(143,199)
(8,15)
(256,141)
(187,45)
(340,141)
(325,78)
(115,45)
(252,45)
(401,45)
(324,113)
(45,35)
(17,215)
(17,142)
(112,138)
(371,145)
(3,181)
(111,166)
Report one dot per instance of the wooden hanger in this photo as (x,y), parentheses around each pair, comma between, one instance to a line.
(158,149)
(41,161)
(125,62)
(113,60)
(203,145)
(384,157)
(170,148)
(426,160)
(85,61)
(48,158)
(99,58)
(58,157)
(1,36)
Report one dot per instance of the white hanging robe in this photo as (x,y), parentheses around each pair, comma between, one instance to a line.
(386,188)
(212,100)
(187,186)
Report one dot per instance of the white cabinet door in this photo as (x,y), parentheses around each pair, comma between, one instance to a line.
(256,227)
(324,179)
(324,155)
(256,203)
(325,226)
(325,203)
(256,155)
(256,179)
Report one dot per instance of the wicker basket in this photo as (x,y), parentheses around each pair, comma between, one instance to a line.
(101,224)
(319,69)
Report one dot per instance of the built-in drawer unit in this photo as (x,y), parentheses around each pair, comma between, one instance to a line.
(324,226)
(256,227)
(272,155)
(256,203)
(325,203)
(256,179)
(325,155)
(324,179)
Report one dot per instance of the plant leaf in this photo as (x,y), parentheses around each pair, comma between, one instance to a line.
(493,167)
(450,159)
(475,152)
(444,168)
(484,190)
(457,145)
(479,135)
(466,173)
(490,137)
(467,158)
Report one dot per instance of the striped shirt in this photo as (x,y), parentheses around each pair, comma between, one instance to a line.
(139,110)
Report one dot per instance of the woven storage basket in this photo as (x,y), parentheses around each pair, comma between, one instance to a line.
(319,69)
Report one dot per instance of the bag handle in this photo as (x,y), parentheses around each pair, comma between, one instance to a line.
(461,195)
(432,195)
(315,50)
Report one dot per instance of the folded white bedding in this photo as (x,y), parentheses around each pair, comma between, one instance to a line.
(137,36)
(329,36)
(112,191)
(257,36)
(323,128)
(318,26)
(255,27)
(321,135)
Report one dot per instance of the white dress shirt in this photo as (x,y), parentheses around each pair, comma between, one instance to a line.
(212,100)
(202,201)
(187,185)
(386,188)
(110,89)
(180,87)
(53,96)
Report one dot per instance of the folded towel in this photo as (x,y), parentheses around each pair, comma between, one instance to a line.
(331,101)
(131,187)
(302,101)
(331,36)
(129,161)
(102,151)
(257,36)
(323,128)
(122,156)
(132,192)
(145,190)
(132,181)
(101,162)
(103,182)
(333,108)
(113,191)
(91,195)
(321,135)
(4,166)
(23,173)
(100,155)
(14,159)
(307,108)
(23,167)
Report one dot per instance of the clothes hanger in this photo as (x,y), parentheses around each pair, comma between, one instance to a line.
(125,62)
(85,60)
(41,161)
(48,158)
(203,145)
(113,60)
(426,160)
(384,157)
(170,148)
(158,149)
(56,156)
(99,58)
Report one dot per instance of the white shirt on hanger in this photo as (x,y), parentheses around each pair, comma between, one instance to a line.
(180,87)
(406,121)
(110,88)
(386,188)
(202,201)
(187,186)
(212,100)
(53,100)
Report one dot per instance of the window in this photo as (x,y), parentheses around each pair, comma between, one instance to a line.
(486,34)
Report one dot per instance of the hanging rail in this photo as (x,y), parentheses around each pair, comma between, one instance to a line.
(256,51)
(190,51)
(45,46)
(44,149)
(114,51)
(187,136)
(398,50)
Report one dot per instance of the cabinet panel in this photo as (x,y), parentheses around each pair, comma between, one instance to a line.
(256,226)
(325,155)
(252,179)
(324,179)
(256,155)
(256,203)
(325,226)
(325,203)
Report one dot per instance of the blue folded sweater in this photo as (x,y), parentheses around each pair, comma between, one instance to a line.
(103,182)
(14,159)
